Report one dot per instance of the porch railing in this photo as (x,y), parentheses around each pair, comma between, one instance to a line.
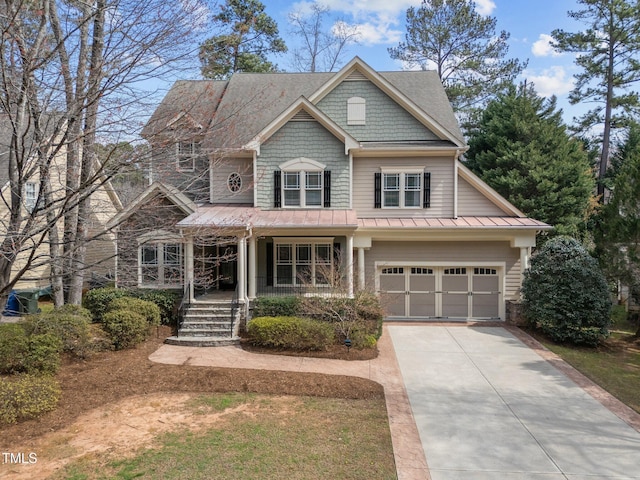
(266,286)
(182,308)
(234,309)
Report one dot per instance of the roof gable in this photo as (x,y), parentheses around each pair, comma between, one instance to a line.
(302,105)
(361,70)
(488,192)
(172,194)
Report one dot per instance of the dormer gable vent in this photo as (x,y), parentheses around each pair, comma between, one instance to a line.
(302,116)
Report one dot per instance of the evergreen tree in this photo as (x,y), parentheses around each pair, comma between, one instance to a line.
(522,149)
(250,35)
(617,225)
(607,53)
(463,47)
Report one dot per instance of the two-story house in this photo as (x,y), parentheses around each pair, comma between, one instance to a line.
(278,178)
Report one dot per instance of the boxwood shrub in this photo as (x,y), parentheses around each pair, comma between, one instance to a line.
(276,307)
(293,333)
(125,329)
(70,323)
(14,347)
(26,396)
(97,300)
(150,311)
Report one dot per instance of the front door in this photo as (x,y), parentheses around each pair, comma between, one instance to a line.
(215,267)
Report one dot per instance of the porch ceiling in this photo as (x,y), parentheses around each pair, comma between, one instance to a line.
(230,216)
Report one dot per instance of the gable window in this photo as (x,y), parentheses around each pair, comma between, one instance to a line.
(356,111)
(302,183)
(186,155)
(402,189)
(307,262)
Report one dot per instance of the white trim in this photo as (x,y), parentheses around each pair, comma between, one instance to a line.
(302,163)
(160,235)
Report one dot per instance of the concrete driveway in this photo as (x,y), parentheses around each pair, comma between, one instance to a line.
(489,407)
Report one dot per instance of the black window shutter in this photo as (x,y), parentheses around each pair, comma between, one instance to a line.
(269,264)
(277,192)
(426,201)
(327,189)
(377,186)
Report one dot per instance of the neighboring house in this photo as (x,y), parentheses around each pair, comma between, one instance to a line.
(100,256)
(292,173)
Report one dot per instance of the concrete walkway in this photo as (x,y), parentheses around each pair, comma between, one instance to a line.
(482,403)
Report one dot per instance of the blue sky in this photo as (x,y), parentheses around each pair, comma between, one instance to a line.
(382,24)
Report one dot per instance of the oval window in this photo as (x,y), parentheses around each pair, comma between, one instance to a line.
(234,182)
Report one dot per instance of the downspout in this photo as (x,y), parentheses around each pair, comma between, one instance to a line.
(456,158)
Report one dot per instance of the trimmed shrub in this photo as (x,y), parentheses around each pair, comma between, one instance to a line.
(70,325)
(14,347)
(566,294)
(125,329)
(98,299)
(27,397)
(291,333)
(276,307)
(166,300)
(148,310)
(44,354)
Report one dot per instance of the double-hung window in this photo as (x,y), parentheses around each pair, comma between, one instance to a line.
(306,262)
(186,155)
(30,196)
(160,264)
(402,189)
(302,184)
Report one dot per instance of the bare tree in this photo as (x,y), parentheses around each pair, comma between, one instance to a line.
(73,72)
(321,49)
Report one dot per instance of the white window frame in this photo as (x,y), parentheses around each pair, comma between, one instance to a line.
(161,241)
(313,262)
(30,196)
(186,153)
(356,111)
(403,187)
(302,168)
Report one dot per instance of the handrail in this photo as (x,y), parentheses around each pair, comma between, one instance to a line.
(234,308)
(182,307)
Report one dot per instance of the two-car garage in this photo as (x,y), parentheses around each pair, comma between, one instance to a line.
(441,291)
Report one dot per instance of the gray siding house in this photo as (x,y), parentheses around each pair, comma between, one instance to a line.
(264,182)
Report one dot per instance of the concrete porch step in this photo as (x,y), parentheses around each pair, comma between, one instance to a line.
(189,324)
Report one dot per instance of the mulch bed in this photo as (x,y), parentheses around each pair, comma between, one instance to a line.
(108,377)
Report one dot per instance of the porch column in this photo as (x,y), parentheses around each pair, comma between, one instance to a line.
(188,260)
(252,267)
(242,268)
(361,268)
(350,265)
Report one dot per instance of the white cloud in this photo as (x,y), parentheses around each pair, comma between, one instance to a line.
(485,7)
(543,48)
(551,81)
(375,34)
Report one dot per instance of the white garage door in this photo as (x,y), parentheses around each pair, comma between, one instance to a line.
(440,292)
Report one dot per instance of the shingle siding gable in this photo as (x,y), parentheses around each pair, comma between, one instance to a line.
(303,139)
(385,119)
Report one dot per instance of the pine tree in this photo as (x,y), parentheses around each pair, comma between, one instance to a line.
(462,45)
(250,36)
(523,150)
(607,53)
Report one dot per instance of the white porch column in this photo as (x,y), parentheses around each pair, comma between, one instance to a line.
(189,274)
(350,265)
(242,268)
(361,268)
(252,267)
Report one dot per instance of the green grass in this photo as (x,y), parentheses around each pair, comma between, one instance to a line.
(615,366)
(303,438)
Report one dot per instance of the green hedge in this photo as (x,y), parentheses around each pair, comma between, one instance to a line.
(125,329)
(293,333)
(26,397)
(98,300)
(150,311)
(70,323)
(276,306)
(22,352)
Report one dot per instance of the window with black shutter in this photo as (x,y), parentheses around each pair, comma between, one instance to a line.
(327,188)
(377,187)
(426,201)
(277,189)
(269,264)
